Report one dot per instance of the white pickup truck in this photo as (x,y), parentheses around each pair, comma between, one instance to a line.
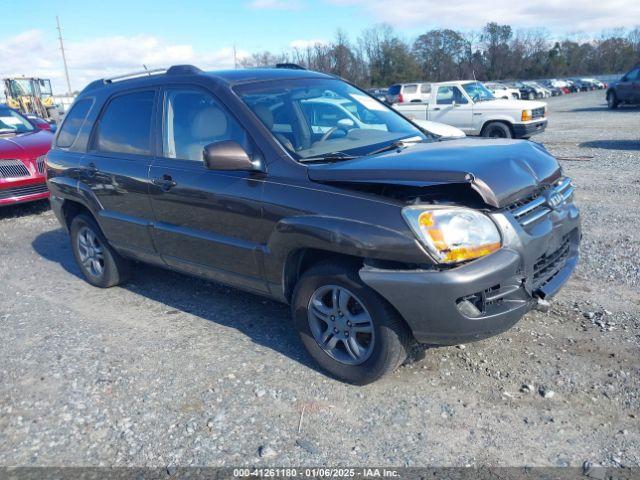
(469,106)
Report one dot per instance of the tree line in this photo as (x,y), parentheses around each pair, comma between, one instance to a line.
(380,57)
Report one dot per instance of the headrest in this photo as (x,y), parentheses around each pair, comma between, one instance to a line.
(209,123)
(264,114)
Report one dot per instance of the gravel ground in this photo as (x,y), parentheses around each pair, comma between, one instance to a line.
(173,371)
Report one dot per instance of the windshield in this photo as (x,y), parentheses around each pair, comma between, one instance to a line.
(12,122)
(317,117)
(477,91)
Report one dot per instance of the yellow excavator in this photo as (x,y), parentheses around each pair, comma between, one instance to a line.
(31,96)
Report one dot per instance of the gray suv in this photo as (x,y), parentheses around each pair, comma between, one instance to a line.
(375,232)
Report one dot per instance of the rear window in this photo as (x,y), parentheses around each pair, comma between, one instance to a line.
(410,89)
(394,90)
(73,122)
(125,126)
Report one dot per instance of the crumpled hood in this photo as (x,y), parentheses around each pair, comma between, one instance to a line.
(501,171)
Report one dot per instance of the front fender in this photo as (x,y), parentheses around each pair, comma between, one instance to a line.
(338,235)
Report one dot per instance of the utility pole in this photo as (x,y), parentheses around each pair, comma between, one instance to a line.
(235,57)
(64,58)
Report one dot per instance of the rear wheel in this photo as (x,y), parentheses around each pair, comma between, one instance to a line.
(351,332)
(497,130)
(612,100)
(99,263)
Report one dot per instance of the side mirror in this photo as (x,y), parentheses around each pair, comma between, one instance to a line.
(227,155)
(346,123)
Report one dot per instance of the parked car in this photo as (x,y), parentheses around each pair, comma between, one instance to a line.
(596,84)
(408,92)
(41,123)
(625,90)
(379,93)
(22,150)
(540,91)
(555,92)
(469,106)
(582,86)
(526,92)
(500,90)
(375,237)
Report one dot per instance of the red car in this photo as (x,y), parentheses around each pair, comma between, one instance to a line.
(23,146)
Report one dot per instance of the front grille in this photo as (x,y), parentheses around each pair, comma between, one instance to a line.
(23,191)
(13,169)
(537,113)
(536,207)
(548,265)
(40,163)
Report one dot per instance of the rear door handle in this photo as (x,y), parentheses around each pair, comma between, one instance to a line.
(436,109)
(166,183)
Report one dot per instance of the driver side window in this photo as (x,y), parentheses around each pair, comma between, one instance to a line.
(194,119)
(448,95)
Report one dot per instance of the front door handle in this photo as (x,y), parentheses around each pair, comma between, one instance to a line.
(91,170)
(166,183)
(436,109)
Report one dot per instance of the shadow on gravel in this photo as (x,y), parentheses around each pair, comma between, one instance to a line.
(621,108)
(613,144)
(266,322)
(24,209)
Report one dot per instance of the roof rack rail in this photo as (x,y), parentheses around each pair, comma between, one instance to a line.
(291,66)
(141,73)
(182,69)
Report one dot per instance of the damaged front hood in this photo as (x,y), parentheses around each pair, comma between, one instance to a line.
(501,171)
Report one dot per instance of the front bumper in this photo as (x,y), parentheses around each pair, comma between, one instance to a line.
(503,285)
(521,130)
(12,193)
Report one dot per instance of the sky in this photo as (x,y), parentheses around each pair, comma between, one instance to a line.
(114,36)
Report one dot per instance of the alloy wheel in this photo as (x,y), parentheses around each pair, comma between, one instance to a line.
(90,251)
(341,324)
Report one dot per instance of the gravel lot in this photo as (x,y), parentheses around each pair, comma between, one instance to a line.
(173,371)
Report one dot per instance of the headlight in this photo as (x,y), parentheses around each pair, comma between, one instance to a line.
(453,234)
(526,115)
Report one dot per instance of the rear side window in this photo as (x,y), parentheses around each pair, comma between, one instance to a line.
(425,88)
(410,89)
(125,126)
(73,122)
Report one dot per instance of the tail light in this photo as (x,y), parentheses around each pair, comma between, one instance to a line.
(400,99)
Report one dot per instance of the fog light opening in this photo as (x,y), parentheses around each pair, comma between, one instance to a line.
(468,309)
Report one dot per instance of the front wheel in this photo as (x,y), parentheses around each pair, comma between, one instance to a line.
(497,130)
(349,330)
(612,100)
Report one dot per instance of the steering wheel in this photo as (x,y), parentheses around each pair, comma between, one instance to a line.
(333,130)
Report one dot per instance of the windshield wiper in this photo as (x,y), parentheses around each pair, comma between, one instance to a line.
(397,145)
(329,157)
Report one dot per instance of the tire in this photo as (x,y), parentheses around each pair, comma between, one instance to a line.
(382,347)
(612,100)
(496,130)
(100,264)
